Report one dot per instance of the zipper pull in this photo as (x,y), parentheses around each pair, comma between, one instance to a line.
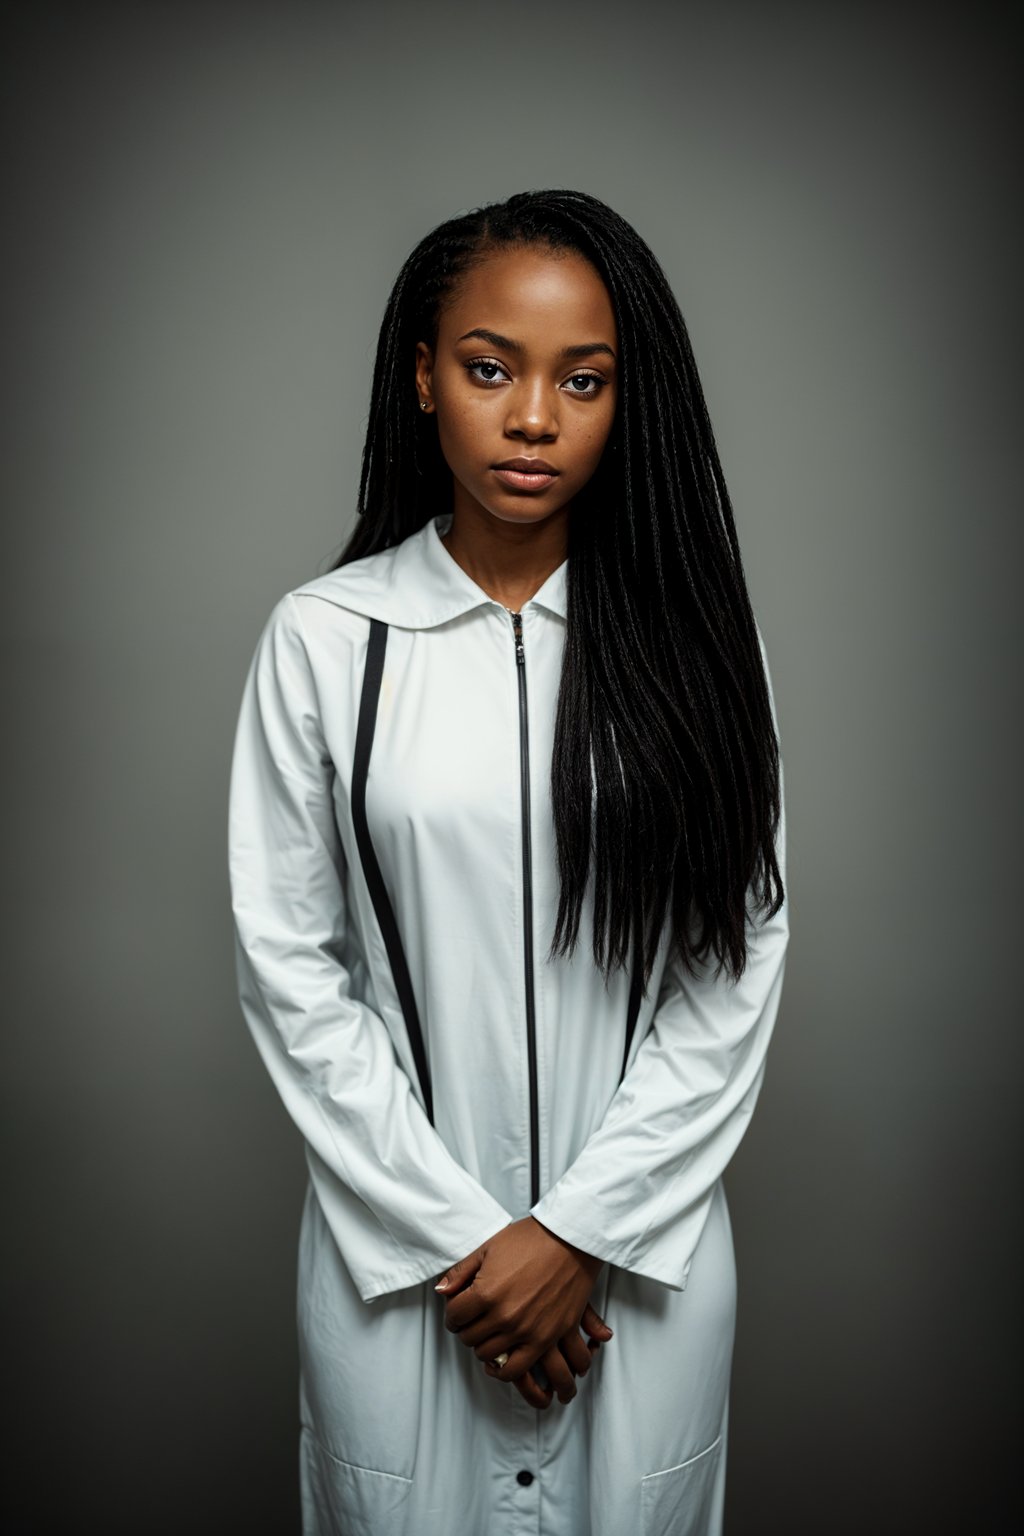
(517,630)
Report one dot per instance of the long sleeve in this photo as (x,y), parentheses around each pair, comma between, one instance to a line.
(639,1192)
(400,1207)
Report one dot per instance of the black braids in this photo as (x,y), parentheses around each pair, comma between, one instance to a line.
(665,774)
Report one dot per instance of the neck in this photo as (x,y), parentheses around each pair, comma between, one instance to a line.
(509,560)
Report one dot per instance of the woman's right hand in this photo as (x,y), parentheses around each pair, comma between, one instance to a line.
(572,1350)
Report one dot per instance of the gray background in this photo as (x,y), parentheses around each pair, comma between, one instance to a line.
(208,206)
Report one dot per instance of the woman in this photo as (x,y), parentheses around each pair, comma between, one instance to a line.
(528,706)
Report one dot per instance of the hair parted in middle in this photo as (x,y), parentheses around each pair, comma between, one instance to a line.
(665,774)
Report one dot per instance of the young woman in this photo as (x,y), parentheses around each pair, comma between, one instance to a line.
(507,859)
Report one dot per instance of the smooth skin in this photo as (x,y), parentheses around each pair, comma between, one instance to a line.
(527,1291)
(540,382)
(496,402)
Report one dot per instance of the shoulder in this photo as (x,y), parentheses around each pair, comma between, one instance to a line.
(335,606)
(308,630)
(337,599)
(352,594)
(348,586)
(407,586)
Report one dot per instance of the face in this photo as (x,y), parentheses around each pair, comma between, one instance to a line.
(524,369)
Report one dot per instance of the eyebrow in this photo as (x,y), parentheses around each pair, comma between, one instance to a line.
(581,349)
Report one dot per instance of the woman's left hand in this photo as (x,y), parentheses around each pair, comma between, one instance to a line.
(521,1291)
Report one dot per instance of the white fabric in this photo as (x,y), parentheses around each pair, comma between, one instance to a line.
(401,1430)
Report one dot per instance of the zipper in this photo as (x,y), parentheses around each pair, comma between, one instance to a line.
(531,1015)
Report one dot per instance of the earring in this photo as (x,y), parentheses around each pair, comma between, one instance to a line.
(423,405)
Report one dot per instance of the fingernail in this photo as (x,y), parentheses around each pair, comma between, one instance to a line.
(441,1285)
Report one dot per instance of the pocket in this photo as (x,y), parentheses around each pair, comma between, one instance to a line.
(361,1363)
(341,1499)
(684,1500)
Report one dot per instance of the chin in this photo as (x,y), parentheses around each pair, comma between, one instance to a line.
(524,514)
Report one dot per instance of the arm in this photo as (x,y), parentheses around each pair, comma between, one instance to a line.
(639,1192)
(397,1202)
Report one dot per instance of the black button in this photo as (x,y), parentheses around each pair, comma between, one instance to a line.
(524,1477)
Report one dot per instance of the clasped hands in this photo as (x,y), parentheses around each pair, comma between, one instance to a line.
(526,1290)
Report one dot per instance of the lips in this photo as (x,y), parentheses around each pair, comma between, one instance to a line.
(526,474)
(528,466)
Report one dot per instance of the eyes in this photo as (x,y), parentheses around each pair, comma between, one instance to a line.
(593,382)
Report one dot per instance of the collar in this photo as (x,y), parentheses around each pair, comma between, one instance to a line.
(418,584)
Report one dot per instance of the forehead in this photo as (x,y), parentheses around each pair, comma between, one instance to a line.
(532,294)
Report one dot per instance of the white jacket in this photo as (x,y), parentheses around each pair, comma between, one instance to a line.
(393,925)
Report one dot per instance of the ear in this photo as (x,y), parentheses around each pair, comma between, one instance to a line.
(424,373)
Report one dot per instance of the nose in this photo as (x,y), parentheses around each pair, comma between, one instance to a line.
(533,411)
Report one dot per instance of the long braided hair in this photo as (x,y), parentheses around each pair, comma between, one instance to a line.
(665,776)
